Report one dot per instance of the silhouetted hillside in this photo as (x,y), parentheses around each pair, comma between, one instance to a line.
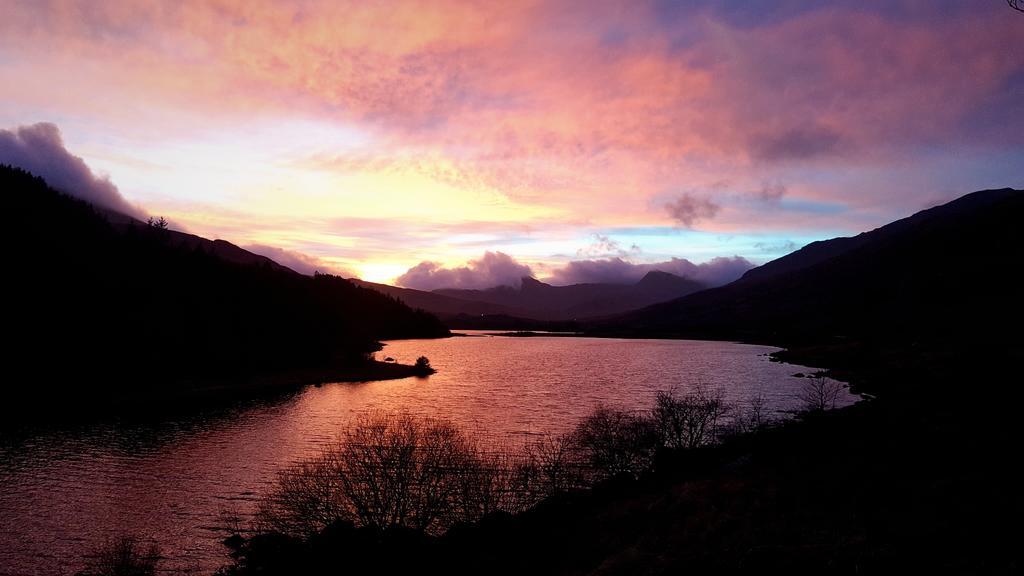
(937,283)
(222,249)
(100,309)
(536,300)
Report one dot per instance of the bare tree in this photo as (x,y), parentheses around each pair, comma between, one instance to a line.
(753,415)
(691,420)
(402,470)
(494,481)
(756,411)
(389,470)
(231,519)
(820,393)
(123,557)
(552,465)
(616,442)
(307,498)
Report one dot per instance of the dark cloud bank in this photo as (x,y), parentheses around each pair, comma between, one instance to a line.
(688,209)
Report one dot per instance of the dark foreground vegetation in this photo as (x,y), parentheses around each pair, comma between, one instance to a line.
(692,486)
(102,308)
(426,475)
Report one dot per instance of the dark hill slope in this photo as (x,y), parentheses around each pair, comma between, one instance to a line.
(222,249)
(941,281)
(97,310)
(823,250)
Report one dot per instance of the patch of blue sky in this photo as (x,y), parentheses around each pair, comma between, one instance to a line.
(811,206)
(662,243)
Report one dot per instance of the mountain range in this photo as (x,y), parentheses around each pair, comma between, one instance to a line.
(537,301)
(940,275)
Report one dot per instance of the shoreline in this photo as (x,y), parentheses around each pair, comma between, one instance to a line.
(278,381)
(203,394)
(829,358)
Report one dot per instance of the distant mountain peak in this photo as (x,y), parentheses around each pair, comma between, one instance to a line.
(539,300)
(658,276)
(529,282)
(659,280)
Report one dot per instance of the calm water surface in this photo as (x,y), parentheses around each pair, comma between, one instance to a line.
(185,482)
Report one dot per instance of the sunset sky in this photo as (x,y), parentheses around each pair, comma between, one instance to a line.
(367,138)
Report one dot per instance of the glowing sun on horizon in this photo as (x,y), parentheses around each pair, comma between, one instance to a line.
(381,272)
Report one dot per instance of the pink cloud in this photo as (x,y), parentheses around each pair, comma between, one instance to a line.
(499,269)
(525,81)
(490,270)
(593,108)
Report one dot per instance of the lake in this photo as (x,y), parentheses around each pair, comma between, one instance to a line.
(187,481)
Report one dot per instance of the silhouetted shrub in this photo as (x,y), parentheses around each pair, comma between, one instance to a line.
(552,465)
(390,471)
(423,365)
(820,393)
(124,557)
(307,498)
(615,442)
(691,420)
(403,471)
(751,416)
(495,481)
